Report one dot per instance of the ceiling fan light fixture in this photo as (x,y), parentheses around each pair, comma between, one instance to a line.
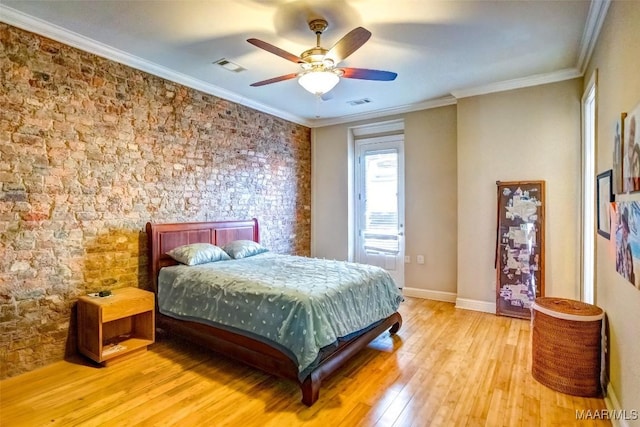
(318,82)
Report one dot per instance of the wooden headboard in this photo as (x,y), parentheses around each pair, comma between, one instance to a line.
(164,237)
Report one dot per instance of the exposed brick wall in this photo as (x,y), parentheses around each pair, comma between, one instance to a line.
(90,150)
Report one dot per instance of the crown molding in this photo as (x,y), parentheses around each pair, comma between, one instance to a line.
(534,80)
(597,13)
(385,112)
(35,25)
(390,126)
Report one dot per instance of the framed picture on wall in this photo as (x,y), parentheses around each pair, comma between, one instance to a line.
(626,223)
(618,156)
(519,247)
(604,198)
(631,150)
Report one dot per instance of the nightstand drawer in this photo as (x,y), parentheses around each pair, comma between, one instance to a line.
(121,307)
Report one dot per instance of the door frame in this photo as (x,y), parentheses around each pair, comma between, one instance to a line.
(588,184)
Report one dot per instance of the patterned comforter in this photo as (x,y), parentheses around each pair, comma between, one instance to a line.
(297,304)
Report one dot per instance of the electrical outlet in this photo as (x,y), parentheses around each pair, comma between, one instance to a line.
(407,259)
(420,259)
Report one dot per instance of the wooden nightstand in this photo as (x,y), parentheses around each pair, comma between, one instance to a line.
(122,324)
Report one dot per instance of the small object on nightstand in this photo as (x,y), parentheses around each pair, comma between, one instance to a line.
(121,325)
(104,293)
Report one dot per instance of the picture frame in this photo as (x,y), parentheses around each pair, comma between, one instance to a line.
(604,187)
(618,155)
(631,151)
(520,255)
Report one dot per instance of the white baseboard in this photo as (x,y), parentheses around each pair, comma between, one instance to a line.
(466,304)
(476,305)
(429,294)
(613,405)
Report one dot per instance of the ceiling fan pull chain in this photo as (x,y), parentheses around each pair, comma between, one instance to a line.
(318,102)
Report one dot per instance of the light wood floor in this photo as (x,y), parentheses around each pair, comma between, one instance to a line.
(446,367)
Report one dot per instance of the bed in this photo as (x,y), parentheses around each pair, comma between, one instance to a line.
(252,349)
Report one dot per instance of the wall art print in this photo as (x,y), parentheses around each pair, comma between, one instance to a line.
(631,151)
(627,237)
(519,247)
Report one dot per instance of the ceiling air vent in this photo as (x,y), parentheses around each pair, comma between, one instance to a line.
(228,65)
(359,102)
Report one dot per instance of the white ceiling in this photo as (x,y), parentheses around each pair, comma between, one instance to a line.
(441,50)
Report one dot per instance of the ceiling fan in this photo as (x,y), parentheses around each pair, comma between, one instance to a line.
(319,72)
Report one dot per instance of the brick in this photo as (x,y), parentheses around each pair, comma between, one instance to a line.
(90,151)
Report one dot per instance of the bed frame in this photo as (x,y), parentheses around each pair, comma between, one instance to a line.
(164,237)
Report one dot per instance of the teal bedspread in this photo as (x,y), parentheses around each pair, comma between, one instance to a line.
(300,304)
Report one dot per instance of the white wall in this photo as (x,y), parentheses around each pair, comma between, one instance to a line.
(617,58)
(329,192)
(518,135)
(430,193)
(431,199)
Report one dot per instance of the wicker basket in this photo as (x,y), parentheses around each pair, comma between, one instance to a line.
(566,345)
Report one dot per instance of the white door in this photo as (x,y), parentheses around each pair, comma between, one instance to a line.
(380,204)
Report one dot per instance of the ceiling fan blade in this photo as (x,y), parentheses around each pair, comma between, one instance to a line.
(348,44)
(275,50)
(365,74)
(275,80)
